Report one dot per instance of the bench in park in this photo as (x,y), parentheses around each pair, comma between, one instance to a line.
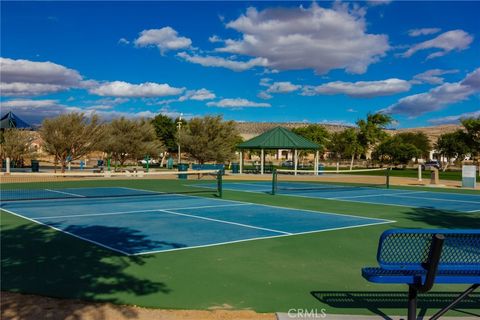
(421,258)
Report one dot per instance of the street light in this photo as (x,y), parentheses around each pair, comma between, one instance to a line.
(179,127)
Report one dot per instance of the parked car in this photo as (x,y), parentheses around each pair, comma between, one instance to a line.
(287,163)
(151,161)
(432,164)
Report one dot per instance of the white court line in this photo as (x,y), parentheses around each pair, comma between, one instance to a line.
(67,193)
(226,222)
(472,211)
(373,195)
(262,238)
(69,233)
(140,211)
(438,199)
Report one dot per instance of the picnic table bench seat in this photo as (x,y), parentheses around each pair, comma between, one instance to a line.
(421,258)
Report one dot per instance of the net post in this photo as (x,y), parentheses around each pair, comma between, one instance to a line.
(388,177)
(274,181)
(219,184)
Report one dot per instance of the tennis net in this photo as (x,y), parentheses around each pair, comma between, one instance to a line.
(328,180)
(39,186)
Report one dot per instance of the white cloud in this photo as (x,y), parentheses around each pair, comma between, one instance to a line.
(34,111)
(164,39)
(31,78)
(351,110)
(123,41)
(237,103)
(198,95)
(125,89)
(307,38)
(214,39)
(212,61)
(455,119)
(432,76)
(448,41)
(438,97)
(263,95)
(378,2)
(360,89)
(283,87)
(423,31)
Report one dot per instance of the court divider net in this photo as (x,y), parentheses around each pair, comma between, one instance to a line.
(38,186)
(290,181)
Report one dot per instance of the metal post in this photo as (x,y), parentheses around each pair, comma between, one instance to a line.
(241,161)
(7,164)
(412,303)
(295,161)
(219,184)
(388,177)
(262,161)
(316,162)
(147,159)
(419,172)
(109,168)
(179,127)
(274,181)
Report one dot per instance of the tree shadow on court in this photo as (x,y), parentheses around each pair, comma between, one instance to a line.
(379,302)
(38,260)
(444,219)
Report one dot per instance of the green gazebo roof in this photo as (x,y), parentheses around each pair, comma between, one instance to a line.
(278,138)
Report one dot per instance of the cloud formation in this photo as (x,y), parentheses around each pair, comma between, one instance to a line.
(455,119)
(30,78)
(165,39)
(438,97)
(237,103)
(213,61)
(283,87)
(360,89)
(423,31)
(307,38)
(198,95)
(143,90)
(432,76)
(448,41)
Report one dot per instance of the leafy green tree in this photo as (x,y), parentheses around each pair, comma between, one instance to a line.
(131,139)
(17,145)
(472,128)
(315,133)
(345,145)
(71,135)
(209,138)
(166,130)
(419,140)
(453,145)
(395,150)
(372,130)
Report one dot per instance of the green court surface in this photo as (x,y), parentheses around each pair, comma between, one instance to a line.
(314,270)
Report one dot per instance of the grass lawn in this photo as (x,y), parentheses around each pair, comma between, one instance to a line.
(318,270)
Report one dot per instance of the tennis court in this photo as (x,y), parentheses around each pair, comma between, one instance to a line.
(167,222)
(373,195)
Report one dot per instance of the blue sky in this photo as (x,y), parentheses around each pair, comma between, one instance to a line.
(330,62)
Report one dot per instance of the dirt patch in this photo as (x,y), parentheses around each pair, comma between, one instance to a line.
(15,306)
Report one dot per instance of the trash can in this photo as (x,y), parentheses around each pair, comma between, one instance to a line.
(170,163)
(321,167)
(100,163)
(35,166)
(235,167)
(182,167)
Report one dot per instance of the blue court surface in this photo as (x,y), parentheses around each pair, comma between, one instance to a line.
(158,223)
(394,197)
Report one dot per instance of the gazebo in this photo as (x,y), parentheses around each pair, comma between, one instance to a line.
(10,121)
(275,139)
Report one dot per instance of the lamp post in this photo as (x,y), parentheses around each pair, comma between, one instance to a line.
(179,127)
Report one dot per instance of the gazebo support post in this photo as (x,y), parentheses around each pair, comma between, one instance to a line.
(317,158)
(262,161)
(241,161)
(295,161)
